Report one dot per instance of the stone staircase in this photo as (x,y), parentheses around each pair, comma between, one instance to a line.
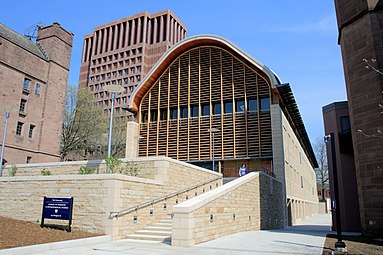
(160,232)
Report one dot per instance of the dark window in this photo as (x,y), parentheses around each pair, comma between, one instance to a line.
(183,112)
(240,105)
(153,115)
(345,124)
(265,104)
(144,116)
(23,103)
(253,104)
(19,128)
(228,106)
(173,113)
(216,107)
(163,114)
(37,90)
(301,181)
(205,109)
(26,84)
(29,159)
(194,111)
(31,128)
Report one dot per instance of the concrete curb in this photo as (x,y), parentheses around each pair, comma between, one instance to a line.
(55,246)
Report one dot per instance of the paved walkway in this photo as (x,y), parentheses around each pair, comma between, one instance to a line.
(306,238)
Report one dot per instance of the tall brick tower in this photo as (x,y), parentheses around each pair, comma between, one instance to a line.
(57,44)
(123,51)
(33,81)
(360,24)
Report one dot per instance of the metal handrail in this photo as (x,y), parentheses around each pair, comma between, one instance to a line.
(159,199)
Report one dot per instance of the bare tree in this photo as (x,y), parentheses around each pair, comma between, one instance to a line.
(322,170)
(84,123)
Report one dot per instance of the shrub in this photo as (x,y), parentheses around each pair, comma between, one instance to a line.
(13,170)
(86,170)
(113,163)
(132,169)
(45,172)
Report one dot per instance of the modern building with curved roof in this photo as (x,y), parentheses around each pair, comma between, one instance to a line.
(208,101)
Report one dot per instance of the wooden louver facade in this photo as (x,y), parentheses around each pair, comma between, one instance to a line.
(204,88)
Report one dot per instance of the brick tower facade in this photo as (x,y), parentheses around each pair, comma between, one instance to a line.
(360,25)
(33,81)
(123,51)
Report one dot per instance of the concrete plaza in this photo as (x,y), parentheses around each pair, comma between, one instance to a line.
(307,237)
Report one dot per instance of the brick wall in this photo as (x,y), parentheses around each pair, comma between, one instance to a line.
(252,202)
(361,39)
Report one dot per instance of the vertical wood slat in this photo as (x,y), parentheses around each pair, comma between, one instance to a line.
(194,81)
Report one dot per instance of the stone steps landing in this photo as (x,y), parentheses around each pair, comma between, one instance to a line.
(160,232)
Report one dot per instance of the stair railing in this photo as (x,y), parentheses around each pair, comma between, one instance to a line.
(159,199)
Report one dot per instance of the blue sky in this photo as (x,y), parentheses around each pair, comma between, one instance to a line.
(296,39)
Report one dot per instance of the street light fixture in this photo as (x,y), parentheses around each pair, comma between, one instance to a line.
(3,144)
(113,89)
(7,109)
(339,244)
(213,131)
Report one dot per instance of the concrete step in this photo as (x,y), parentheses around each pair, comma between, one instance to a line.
(157,228)
(154,232)
(160,224)
(168,221)
(159,238)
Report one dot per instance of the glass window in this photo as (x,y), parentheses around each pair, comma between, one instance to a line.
(163,114)
(194,111)
(138,69)
(31,128)
(19,128)
(205,109)
(106,102)
(228,106)
(183,112)
(26,85)
(23,103)
(265,104)
(253,104)
(240,105)
(345,124)
(38,88)
(153,115)
(216,107)
(144,116)
(173,113)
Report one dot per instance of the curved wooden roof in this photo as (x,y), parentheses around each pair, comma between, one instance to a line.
(185,45)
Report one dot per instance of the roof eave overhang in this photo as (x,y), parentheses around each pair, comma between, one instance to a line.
(185,45)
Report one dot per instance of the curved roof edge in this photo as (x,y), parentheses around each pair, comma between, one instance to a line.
(179,48)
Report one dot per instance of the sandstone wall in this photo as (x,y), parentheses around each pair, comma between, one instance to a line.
(252,202)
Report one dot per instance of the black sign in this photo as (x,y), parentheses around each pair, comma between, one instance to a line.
(58,209)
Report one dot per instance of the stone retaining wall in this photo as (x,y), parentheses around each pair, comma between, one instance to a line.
(252,202)
(97,195)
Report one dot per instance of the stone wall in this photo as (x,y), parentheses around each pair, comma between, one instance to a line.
(252,202)
(96,196)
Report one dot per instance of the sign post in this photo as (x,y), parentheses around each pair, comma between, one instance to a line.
(57,209)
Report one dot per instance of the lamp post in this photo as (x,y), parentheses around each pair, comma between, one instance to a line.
(213,131)
(3,144)
(113,89)
(138,145)
(339,244)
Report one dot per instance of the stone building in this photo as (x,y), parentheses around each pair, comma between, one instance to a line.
(337,121)
(360,24)
(123,51)
(207,102)
(33,82)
